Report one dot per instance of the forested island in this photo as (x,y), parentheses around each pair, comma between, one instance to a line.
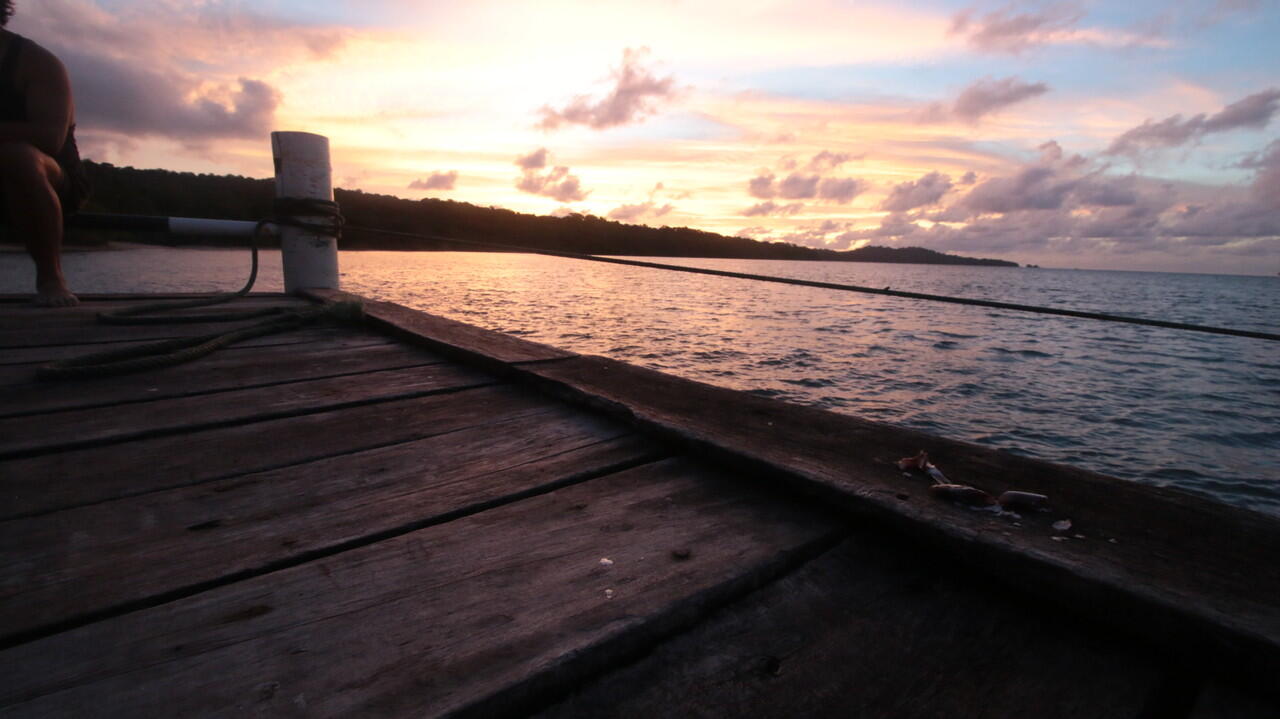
(127,190)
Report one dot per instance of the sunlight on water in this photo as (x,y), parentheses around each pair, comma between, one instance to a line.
(1196,411)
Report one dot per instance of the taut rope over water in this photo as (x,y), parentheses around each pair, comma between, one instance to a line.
(842,287)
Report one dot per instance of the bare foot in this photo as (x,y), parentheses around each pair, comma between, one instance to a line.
(55,295)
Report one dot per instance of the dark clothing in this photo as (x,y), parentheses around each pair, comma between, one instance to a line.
(13,108)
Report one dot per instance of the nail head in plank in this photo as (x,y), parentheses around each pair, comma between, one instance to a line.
(877,630)
(81,563)
(1183,570)
(490,611)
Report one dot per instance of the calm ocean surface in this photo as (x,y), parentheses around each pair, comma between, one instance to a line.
(1196,411)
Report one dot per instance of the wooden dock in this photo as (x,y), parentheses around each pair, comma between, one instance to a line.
(416,517)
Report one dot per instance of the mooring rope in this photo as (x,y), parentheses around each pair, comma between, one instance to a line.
(288,211)
(836,286)
(167,353)
(184,349)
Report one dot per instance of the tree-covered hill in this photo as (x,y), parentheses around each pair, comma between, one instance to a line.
(127,190)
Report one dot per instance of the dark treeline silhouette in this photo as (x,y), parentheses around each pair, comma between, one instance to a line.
(127,190)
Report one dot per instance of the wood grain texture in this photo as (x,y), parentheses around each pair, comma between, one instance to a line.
(63,567)
(484,615)
(60,431)
(35,485)
(880,631)
(92,297)
(492,350)
(1183,571)
(24,316)
(38,327)
(23,394)
(39,355)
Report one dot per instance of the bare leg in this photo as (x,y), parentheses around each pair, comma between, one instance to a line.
(28,178)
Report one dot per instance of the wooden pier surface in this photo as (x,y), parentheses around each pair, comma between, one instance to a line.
(416,517)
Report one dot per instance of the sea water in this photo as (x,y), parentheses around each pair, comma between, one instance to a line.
(1165,407)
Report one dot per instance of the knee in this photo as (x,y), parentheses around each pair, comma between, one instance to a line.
(21,161)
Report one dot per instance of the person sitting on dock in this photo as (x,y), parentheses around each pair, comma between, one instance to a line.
(41,176)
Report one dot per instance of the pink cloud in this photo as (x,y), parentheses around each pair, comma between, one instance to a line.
(556,183)
(772,208)
(983,97)
(635,96)
(1006,30)
(535,160)
(801,186)
(130,65)
(436,181)
(1254,111)
(917,193)
(630,213)
(1064,203)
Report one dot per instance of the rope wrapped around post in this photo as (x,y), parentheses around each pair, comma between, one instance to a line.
(185,349)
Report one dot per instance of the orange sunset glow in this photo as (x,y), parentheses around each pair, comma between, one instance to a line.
(1058,133)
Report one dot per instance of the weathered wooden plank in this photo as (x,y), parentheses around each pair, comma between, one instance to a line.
(65,567)
(1177,568)
(23,316)
(458,339)
(35,485)
(482,615)
(36,327)
(20,298)
(92,333)
(880,631)
(23,394)
(60,431)
(340,336)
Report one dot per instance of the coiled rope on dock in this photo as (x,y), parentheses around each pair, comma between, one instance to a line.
(184,349)
(836,286)
(323,218)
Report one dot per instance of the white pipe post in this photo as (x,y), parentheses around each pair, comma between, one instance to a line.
(302,172)
(211,228)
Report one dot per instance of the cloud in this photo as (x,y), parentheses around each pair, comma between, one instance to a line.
(772,208)
(984,97)
(556,183)
(1006,30)
(155,68)
(649,208)
(629,213)
(437,181)
(1266,184)
(1254,111)
(1067,205)
(761,186)
(917,193)
(841,190)
(137,101)
(800,186)
(826,160)
(987,95)
(1033,188)
(634,97)
(535,160)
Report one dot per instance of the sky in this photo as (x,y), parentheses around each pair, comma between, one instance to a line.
(1139,135)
